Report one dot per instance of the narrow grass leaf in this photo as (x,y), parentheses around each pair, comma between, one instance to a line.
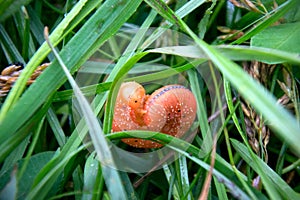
(86,42)
(223,171)
(188,7)
(171,180)
(91,173)
(33,144)
(9,7)
(192,153)
(280,120)
(110,175)
(8,145)
(267,55)
(267,20)
(48,175)
(184,172)
(36,26)
(201,111)
(14,156)
(166,73)
(282,187)
(115,88)
(78,183)
(242,134)
(130,190)
(236,53)
(9,47)
(38,57)
(221,189)
(87,91)
(56,127)
(21,20)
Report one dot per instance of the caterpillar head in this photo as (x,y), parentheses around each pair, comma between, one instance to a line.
(137,98)
(133,94)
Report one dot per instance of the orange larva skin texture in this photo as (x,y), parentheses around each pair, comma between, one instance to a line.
(170,109)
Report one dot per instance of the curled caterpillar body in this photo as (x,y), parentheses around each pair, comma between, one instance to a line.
(178,112)
(170,109)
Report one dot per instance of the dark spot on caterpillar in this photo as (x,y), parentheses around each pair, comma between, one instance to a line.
(167,110)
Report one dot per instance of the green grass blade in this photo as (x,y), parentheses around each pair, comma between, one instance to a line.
(104,154)
(7,44)
(41,187)
(56,128)
(221,171)
(92,172)
(236,53)
(38,57)
(221,189)
(173,191)
(30,150)
(24,131)
(282,187)
(270,189)
(87,91)
(53,77)
(268,19)
(184,173)
(9,7)
(271,56)
(280,120)
(14,156)
(115,88)
(49,173)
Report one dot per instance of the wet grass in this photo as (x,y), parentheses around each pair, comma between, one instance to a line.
(244,81)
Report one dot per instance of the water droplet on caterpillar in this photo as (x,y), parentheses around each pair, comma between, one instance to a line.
(170,110)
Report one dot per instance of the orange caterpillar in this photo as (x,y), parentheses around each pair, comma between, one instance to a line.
(170,109)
